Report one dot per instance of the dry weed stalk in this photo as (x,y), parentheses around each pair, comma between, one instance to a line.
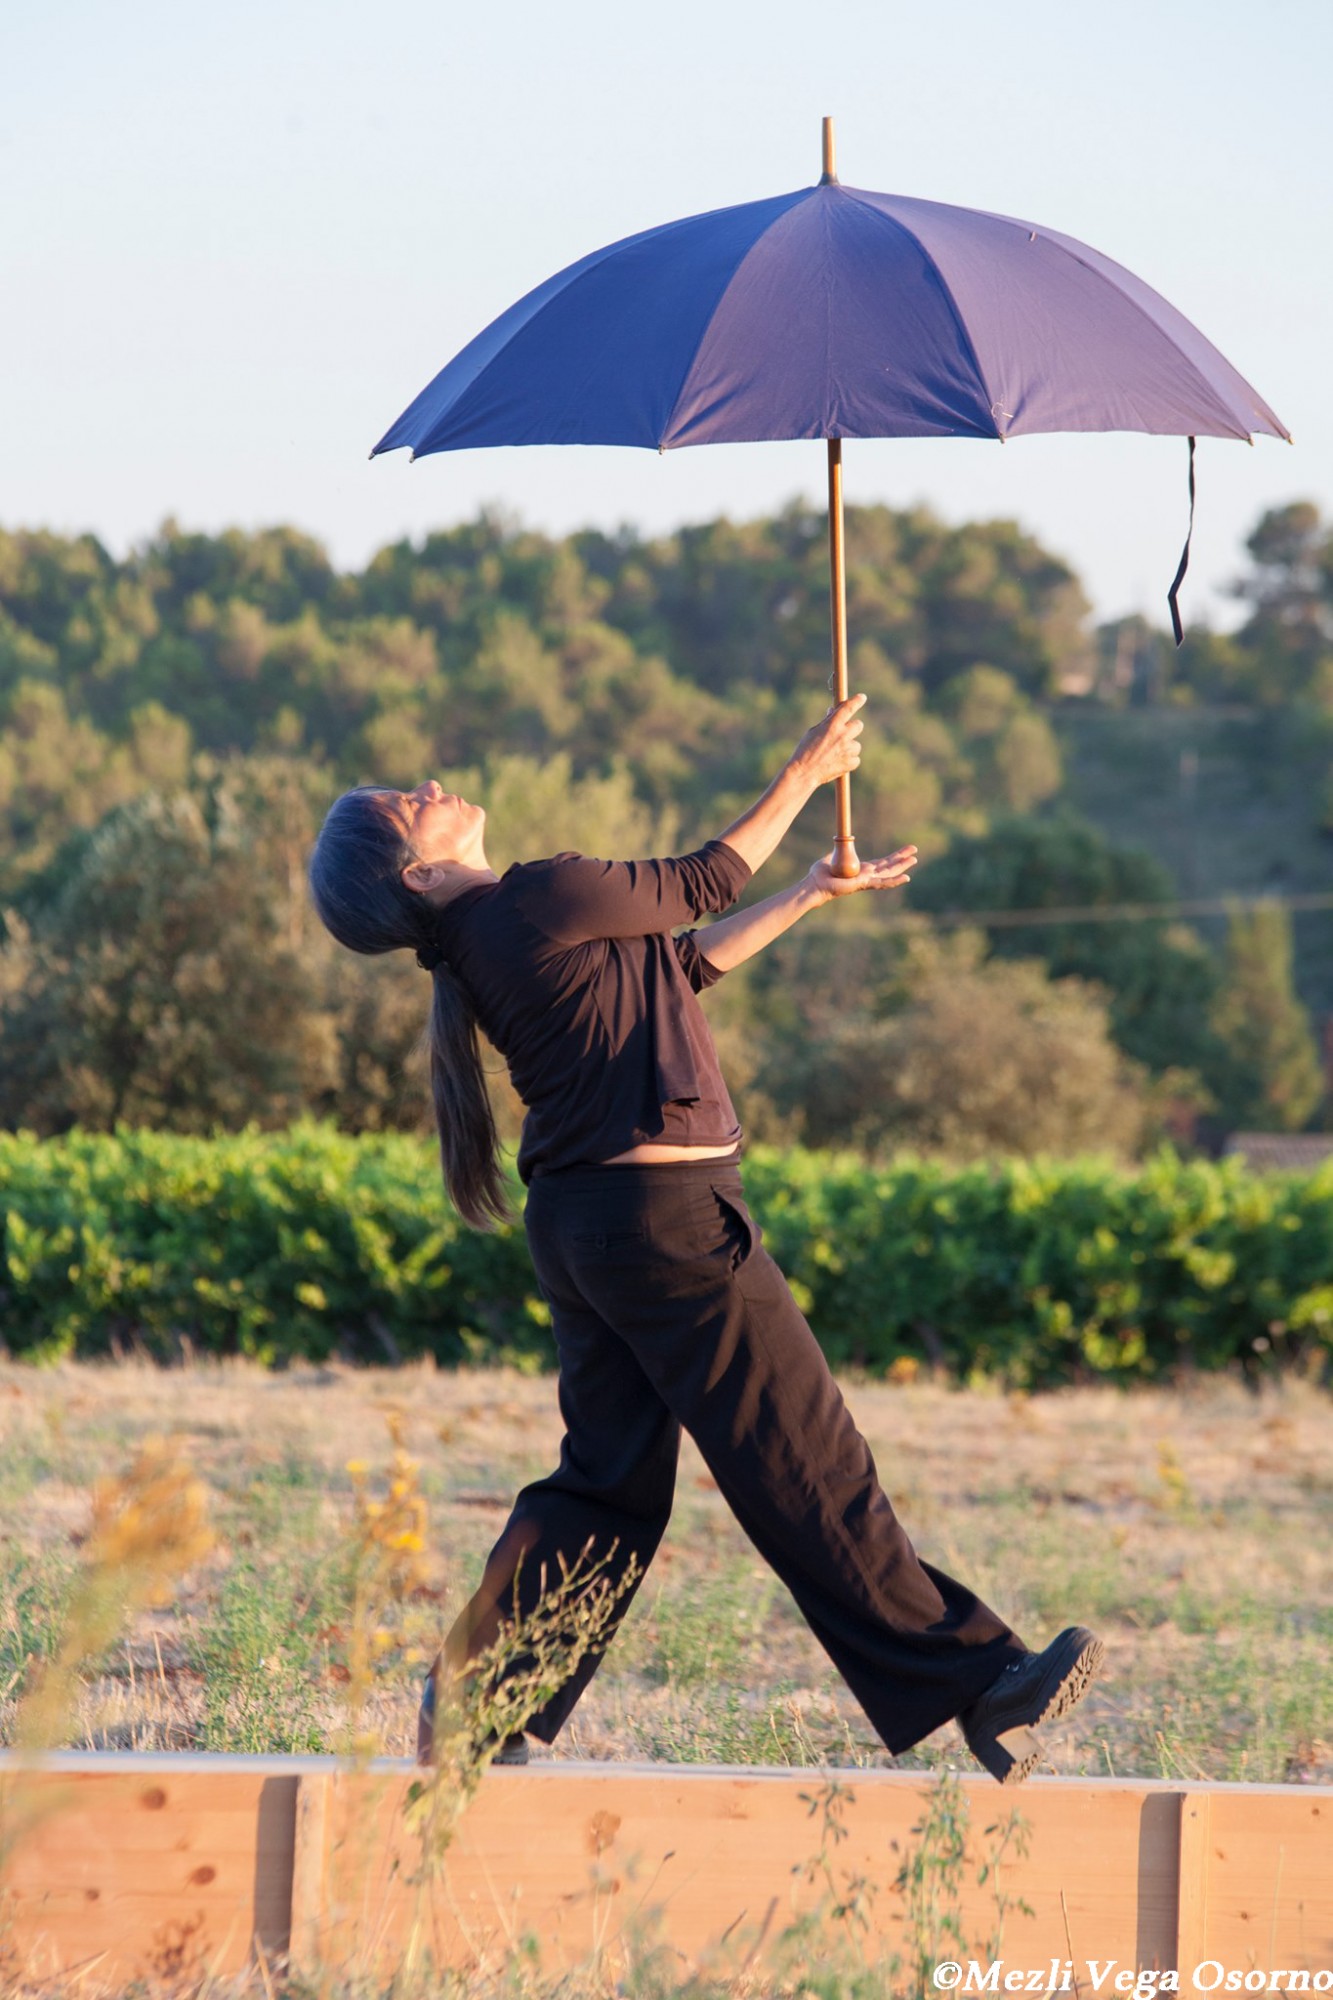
(503,1689)
(148,1528)
(387,1547)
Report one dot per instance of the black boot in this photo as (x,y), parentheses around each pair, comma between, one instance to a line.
(426,1718)
(1037,1687)
(514,1749)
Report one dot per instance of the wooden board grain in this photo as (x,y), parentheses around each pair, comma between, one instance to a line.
(148,1872)
(1192,1912)
(563,1863)
(1269,1868)
(158,1867)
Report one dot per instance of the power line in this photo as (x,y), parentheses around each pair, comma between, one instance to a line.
(1122,913)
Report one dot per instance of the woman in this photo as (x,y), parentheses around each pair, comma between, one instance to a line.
(666,1310)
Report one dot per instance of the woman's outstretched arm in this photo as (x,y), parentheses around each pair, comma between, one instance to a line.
(728,943)
(824,753)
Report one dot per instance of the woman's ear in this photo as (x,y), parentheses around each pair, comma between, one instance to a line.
(420,876)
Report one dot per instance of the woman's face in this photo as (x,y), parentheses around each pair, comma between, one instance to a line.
(439,825)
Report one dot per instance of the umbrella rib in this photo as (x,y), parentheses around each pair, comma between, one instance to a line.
(663,442)
(1082,255)
(591,265)
(960,323)
(592,261)
(587,269)
(1074,249)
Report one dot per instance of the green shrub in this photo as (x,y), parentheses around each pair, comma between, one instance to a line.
(1041,1272)
(308,1243)
(276,1245)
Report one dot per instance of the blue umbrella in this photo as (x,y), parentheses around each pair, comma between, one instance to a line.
(835,313)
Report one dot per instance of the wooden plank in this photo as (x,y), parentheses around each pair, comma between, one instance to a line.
(1192,1919)
(309,1866)
(1269,1880)
(162,1866)
(148,1874)
(566,1863)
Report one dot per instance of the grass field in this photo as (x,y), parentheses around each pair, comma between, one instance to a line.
(1191,1528)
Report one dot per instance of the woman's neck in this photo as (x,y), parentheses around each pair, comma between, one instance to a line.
(457,877)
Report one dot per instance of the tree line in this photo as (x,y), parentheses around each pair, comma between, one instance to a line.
(173,725)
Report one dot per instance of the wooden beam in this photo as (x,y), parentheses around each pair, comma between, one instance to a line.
(148,1865)
(156,1866)
(309,1868)
(1192,1918)
(1267,1871)
(705,1856)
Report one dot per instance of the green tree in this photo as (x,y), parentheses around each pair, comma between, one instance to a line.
(58,772)
(1269,1077)
(1160,977)
(279,570)
(362,1018)
(536,806)
(1289,590)
(969,1057)
(748,603)
(1011,747)
(154,985)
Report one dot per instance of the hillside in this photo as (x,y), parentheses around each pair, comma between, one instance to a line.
(1224,797)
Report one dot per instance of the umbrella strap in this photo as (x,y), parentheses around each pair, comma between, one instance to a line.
(1174,592)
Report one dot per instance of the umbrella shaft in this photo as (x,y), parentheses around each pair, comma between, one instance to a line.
(845,862)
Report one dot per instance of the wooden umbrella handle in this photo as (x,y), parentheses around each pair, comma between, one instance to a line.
(846,863)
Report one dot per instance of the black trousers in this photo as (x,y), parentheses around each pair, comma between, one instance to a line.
(669,1313)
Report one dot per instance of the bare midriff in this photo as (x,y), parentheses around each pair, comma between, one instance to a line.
(662,1156)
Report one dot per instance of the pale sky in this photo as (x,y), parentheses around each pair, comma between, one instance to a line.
(235,241)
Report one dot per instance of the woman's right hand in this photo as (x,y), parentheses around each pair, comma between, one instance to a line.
(828,751)
(833,747)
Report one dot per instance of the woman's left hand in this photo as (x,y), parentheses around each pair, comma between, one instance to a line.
(893,871)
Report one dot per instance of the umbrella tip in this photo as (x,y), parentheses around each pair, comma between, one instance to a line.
(829,177)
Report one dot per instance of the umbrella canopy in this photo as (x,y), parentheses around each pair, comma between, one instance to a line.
(833,313)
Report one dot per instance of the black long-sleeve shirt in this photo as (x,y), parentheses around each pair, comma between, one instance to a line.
(578,982)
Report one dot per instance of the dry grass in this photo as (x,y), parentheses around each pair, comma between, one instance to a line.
(1191,1528)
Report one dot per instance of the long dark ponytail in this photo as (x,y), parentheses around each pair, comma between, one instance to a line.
(357,887)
